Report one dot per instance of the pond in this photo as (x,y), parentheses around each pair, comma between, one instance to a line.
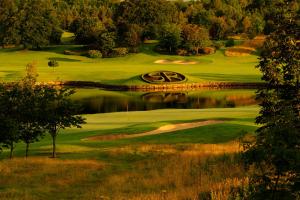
(102,101)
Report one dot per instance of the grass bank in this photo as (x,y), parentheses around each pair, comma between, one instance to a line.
(126,70)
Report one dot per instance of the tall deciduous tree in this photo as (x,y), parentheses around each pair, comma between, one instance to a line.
(276,151)
(195,37)
(9,116)
(30,125)
(59,112)
(170,37)
(39,24)
(9,23)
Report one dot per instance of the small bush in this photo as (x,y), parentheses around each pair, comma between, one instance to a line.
(94,54)
(229,43)
(218,45)
(118,52)
(53,63)
(182,52)
(208,50)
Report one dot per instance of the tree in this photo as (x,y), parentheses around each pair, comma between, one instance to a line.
(39,23)
(9,23)
(218,28)
(31,128)
(133,36)
(106,42)
(276,152)
(87,29)
(59,112)
(170,37)
(195,37)
(9,116)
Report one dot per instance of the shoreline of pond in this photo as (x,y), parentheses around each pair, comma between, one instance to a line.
(161,87)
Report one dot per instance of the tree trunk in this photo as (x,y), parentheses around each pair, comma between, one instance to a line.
(53,145)
(27,150)
(11,150)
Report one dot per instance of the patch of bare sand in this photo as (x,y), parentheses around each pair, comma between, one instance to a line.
(160,130)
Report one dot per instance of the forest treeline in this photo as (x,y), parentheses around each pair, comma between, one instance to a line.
(107,24)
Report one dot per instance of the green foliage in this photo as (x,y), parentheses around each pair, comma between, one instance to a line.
(170,37)
(276,154)
(194,37)
(229,43)
(119,52)
(59,112)
(87,29)
(9,23)
(94,54)
(106,43)
(53,63)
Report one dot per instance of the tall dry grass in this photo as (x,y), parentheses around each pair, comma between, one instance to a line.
(140,172)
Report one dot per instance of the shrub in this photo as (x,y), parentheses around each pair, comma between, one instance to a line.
(208,50)
(94,54)
(229,43)
(53,63)
(118,52)
(218,45)
(182,52)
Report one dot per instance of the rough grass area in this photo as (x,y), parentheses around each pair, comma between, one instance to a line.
(124,70)
(143,172)
(195,163)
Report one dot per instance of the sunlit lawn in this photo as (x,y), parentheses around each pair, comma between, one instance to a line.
(125,70)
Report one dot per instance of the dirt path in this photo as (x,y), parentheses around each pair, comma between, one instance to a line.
(162,129)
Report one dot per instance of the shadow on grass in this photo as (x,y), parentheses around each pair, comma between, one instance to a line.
(228,77)
(64,59)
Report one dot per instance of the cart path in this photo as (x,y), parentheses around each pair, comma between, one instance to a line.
(163,129)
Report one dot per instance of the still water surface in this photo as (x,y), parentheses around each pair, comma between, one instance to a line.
(102,101)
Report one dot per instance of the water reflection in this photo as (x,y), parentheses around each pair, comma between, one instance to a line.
(104,101)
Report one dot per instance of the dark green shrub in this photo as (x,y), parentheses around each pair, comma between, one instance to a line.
(94,54)
(229,43)
(219,44)
(53,63)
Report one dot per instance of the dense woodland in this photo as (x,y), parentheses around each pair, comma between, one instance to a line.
(107,25)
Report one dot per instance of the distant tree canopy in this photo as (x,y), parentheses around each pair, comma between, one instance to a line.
(31,23)
(36,23)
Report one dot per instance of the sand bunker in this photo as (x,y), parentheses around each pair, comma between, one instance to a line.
(160,130)
(178,62)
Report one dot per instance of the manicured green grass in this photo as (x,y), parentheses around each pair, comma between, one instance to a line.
(237,121)
(124,70)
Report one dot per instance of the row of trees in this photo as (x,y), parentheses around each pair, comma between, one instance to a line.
(29,110)
(106,24)
(188,37)
(31,23)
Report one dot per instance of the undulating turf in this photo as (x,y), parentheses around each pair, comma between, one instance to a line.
(124,70)
(237,121)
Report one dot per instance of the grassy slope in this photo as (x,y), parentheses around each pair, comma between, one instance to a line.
(137,168)
(241,121)
(125,70)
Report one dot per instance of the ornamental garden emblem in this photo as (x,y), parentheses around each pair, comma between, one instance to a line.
(163,77)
